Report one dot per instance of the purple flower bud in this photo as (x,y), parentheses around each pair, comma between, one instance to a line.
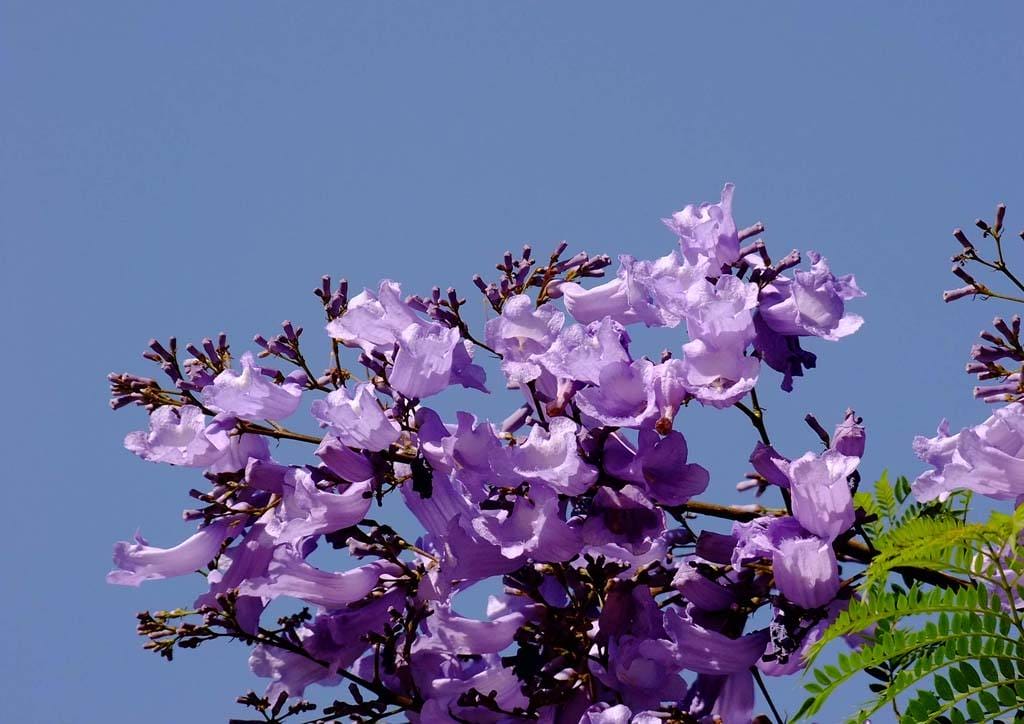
(962,274)
(960,236)
(160,350)
(849,436)
(517,419)
(752,230)
(951,295)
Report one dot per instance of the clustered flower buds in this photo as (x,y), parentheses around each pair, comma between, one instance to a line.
(614,605)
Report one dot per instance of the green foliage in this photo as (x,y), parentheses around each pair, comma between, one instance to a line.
(950,648)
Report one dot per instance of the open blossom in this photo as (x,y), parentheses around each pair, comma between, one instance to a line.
(722,310)
(533,526)
(580,353)
(654,293)
(520,332)
(708,230)
(718,375)
(251,395)
(374,322)
(623,397)
(289,575)
(812,303)
(550,456)
(176,436)
(356,418)
(625,518)
(423,365)
(306,510)
(658,465)
(806,571)
(987,458)
(137,562)
(822,501)
(327,638)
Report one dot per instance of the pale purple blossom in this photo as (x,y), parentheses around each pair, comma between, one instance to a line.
(519,333)
(708,230)
(176,437)
(250,394)
(551,456)
(139,561)
(374,322)
(987,458)
(356,418)
(812,303)
(822,501)
(623,397)
(423,365)
(806,571)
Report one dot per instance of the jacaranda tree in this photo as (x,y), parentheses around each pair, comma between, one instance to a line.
(614,601)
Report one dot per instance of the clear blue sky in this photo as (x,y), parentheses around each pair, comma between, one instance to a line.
(170,168)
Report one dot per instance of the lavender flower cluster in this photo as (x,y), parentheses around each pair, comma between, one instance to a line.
(615,606)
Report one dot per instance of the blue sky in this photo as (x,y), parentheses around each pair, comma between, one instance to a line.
(170,168)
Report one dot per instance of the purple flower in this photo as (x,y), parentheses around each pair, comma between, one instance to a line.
(718,375)
(669,380)
(466,636)
(235,450)
(306,510)
(709,652)
(605,301)
(806,571)
(659,466)
(722,311)
(708,231)
(701,591)
(521,332)
(137,562)
(328,639)
(289,575)
(770,465)
(357,419)
(443,683)
(551,456)
(812,303)
(347,464)
(533,527)
(251,395)
(626,518)
(651,292)
(374,322)
(759,538)
(423,365)
(722,698)
(821,496)
(987,458)
(782,352)
(849,436)
(476,455)
(176,436)
(580,352)
(645,671)
(624,396)
(464,371)
(607,714)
